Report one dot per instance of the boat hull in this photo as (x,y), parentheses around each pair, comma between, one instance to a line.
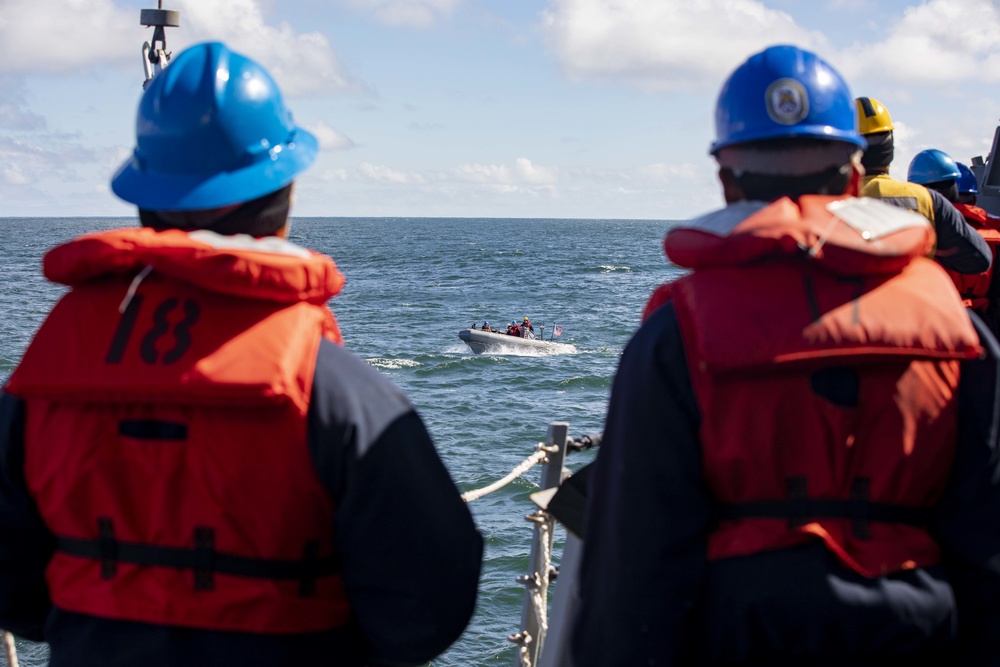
(481,341)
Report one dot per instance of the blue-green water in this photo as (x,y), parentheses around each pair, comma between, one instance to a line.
(412,283)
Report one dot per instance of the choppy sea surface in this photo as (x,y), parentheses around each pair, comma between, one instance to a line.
(412,283)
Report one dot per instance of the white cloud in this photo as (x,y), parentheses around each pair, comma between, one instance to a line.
(534,174)
(14,113)
(384,174)
(664,173)
(664,44)
(301,63)
(66,37)
(523,172)
(411,13)
(12,174)
(333,176)
(51,159)
(329,138)
(937,42)
(482,173)
(82,33)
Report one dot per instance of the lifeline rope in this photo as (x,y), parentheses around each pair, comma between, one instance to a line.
(540,585)
(538,581)
(9,649)
(522,639)
(524,467)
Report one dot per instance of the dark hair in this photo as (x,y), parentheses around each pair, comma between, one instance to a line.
(881,149)
(761,187)
(263,216)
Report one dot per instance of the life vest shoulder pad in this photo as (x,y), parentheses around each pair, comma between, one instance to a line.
(844,235)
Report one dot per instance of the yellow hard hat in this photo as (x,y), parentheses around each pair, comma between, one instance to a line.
(872,116)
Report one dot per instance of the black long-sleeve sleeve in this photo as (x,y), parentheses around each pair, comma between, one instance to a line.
(26,545)
(648,512)
(410,551)
(959,247)
(967,518)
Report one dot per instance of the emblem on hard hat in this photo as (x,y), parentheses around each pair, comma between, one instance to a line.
(787,101)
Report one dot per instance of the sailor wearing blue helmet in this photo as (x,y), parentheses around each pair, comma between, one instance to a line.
(968,187)
(936,170)
(205,476)
(798,463)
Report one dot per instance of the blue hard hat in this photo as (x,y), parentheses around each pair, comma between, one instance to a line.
(932,166)
(785,92)
(486,324)
(966,181)
(212,130)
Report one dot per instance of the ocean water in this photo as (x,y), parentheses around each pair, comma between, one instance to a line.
(412,283)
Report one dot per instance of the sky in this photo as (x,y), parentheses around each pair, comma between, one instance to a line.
(483,108)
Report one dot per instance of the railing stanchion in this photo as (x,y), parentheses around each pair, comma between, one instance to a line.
(536,583)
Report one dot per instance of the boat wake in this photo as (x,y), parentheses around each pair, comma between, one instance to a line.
(519,351)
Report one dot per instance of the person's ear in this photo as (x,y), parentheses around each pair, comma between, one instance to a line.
(731,190)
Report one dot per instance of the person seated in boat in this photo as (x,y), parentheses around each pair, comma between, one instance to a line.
(512,328)
(527,330)
(959,248)
(936,170)
(198,489)
(486,326)
(826,491)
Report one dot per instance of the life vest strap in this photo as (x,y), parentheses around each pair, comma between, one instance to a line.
(801,510)
(203,560)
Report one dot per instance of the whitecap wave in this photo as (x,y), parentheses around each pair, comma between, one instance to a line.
(393,364)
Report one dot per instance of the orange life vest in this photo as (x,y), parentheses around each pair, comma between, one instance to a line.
(790,292)
(165,439)
(975,287)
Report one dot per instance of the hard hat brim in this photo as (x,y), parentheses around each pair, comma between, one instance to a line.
(158,191)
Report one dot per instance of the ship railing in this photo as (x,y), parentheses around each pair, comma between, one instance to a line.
(542,640)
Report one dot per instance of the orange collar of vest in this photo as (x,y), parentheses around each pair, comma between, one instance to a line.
(806,229)
(270,269)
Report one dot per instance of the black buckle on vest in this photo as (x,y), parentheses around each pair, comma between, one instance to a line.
(107,546)
(860,493)
(798,509)
(203,559)
(796,490)
(310,570)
